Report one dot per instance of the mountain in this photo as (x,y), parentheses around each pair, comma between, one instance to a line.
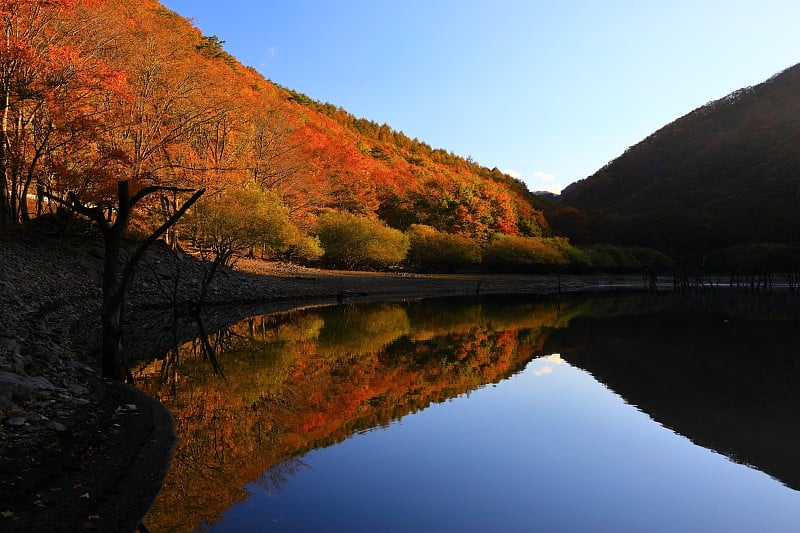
(128,89)
(725,174)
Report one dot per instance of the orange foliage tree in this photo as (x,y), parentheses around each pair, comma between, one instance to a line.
(53,86)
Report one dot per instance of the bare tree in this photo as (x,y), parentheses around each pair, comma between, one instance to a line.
(117,277)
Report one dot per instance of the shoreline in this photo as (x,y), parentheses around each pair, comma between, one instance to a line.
(78,453)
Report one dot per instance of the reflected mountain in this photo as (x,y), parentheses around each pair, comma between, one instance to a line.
(722,371)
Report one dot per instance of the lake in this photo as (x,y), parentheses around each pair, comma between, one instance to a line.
(601,412)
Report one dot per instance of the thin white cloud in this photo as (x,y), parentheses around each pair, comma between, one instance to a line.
(538,181)
(544,176)
(547,369)
(555,358)
(546,181)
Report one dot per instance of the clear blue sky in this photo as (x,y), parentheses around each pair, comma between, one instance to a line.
(549,91)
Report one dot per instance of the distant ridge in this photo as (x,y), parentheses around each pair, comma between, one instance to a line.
(726,173)
(546,194)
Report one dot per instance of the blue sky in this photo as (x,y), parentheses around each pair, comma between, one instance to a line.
(548,91)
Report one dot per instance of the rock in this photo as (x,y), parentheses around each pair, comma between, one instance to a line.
(16,421)
(13,386)
(18,365)
(57,426)
(77,390)
(124,409)
(10,344)
(43,383)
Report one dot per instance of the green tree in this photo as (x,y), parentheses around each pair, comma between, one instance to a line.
(511,252)
(353,241)
(241,219)
(436,251)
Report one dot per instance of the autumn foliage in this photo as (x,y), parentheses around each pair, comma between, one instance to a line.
(92,93)
(216,225)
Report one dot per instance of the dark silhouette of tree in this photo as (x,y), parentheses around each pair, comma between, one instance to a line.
(112,222)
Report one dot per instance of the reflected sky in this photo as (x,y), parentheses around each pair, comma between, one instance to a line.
(548,449)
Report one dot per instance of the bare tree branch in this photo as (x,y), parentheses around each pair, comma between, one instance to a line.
(156,188)
(96,214)
(130,268)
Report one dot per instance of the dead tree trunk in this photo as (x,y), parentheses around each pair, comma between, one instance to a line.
(116,283)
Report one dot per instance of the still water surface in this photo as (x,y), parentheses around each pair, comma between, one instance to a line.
(625,413)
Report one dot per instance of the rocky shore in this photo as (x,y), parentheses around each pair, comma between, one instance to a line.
(78,453)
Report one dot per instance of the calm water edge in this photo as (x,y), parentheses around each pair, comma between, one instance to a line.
(590,413)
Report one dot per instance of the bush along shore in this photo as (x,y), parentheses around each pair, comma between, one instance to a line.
(78,452)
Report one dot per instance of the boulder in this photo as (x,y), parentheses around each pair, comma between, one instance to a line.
(16,387)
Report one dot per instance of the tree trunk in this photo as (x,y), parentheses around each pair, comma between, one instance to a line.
(5,209)
(5,189)
(113,364)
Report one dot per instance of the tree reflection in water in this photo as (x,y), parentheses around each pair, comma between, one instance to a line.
(303,380)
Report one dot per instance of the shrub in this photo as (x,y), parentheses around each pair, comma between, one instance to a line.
(353,241)
(434,251)
(525,254)
(613,258)
(756,258)
(577,258)
(304,248)
(241,219)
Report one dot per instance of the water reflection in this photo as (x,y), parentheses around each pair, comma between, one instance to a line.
(722,370)
(305,380)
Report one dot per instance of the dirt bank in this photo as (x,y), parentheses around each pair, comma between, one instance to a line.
(79,453)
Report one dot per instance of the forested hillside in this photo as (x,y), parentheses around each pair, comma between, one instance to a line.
(725,175)
(99,92)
